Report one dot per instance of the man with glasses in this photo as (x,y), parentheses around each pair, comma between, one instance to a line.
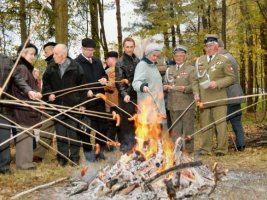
(214,73)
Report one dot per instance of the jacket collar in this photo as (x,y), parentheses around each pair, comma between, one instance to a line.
(145,59)
(23,61)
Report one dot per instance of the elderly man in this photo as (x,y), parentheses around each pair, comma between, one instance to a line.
(214,73)
(61,74)
(5,68)
(95,74)
(177,81)
(41,149)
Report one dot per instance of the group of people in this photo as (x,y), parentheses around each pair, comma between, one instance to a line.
(214,76)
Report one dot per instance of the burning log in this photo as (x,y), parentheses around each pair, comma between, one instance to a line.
(177,167)
(170,189)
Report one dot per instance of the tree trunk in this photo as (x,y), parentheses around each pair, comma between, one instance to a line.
(61,21)
(22,19)
(213,18)
(224,10)
(94,25)
(102,39)
(119,29)
(249,41)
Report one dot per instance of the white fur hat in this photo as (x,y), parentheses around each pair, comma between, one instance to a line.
(152,47)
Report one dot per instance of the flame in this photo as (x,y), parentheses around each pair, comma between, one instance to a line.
(149,133)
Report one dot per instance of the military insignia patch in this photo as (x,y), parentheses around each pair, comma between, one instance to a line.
(213,68)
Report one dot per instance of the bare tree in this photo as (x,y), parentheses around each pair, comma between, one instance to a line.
(119,29)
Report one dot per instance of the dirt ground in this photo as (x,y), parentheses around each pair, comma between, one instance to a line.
(246,176)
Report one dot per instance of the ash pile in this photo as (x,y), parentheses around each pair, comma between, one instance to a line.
(164,173)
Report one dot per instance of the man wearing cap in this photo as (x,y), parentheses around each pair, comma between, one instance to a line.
(234,90)
(214,73)
(95,74)
(177,81)
(125,68)
(62,74)
(111,92)
(25,117)
(148,85)
(41,149)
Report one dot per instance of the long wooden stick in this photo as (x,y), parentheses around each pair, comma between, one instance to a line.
(20,54)
(77,90)
(45,132)
(182,114)
(84,124)
(39,187)
(44,143)
(223,118)
(59,106)
(210,103)
(40,123)
(64,113)
(53,109)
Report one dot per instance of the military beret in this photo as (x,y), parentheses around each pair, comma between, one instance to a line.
(179,48)
(211,38)
(152,47)
(111,54)
(52,44)
(28,45)
(89,43)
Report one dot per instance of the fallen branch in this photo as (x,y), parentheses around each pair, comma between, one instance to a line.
(39,187)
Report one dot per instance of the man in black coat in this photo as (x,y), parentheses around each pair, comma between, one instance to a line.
(95,74)
(125,68)
(41,149)
(61,74)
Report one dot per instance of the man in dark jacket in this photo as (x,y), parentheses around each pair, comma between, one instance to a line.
(125,68)
(234,90)
(5,68)
(61,74)
(25,117)
(41,149)
(95,74)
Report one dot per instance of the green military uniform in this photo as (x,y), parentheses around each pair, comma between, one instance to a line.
(177,102)
(219,69)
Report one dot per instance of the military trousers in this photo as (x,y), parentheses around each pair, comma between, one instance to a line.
(183,127)
(207,117)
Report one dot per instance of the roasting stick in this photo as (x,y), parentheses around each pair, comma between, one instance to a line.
(84,124)
(182,114)
(40,123)
(102,96)
(45,132)
(80,89)
(44,143)
(53,109)
(20,54)
(223,118)
(123,81)
(214,103)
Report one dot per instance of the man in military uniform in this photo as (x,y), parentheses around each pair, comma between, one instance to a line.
(214,73)
(179,90)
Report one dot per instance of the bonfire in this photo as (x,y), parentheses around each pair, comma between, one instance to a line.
(154,169)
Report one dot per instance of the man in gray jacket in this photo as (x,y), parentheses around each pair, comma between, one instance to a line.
(234,90)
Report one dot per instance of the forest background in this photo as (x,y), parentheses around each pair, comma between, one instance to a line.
(242,25)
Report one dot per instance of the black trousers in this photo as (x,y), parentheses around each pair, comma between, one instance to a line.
(68,148)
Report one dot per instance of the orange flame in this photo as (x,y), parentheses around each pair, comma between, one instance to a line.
(149,133)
